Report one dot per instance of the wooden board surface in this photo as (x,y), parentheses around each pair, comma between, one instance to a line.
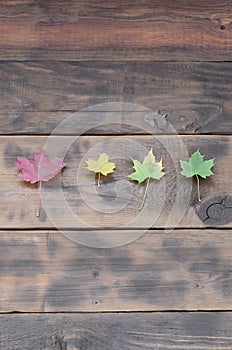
(150,331)
(140,30)
(171,58)
(37,96)
(171,202)
(42,271)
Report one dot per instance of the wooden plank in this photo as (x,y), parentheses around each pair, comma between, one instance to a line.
(189,331)
(42,271)
(172,202)
(140,30)
(37,96)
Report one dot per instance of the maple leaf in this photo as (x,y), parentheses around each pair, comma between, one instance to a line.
(148,169)
(39,169)
(197,166)
(101,166)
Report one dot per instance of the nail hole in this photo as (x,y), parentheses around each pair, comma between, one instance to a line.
(222,27)
(95,274)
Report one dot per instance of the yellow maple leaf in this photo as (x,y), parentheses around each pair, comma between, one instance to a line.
(101,166)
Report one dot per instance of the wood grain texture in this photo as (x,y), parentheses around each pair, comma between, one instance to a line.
(182,270)
(115,204)
(189,331)
(58,57)
(42,271)
(140,30)
(37,96)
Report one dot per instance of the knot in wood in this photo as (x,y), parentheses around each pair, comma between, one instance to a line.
(216,210)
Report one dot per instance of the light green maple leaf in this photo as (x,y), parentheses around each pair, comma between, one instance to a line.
(101,166)
(148,169)
(197,166)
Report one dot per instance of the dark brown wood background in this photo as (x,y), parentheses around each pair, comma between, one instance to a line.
(166,290)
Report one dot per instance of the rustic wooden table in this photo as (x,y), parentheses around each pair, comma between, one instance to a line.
(166,289)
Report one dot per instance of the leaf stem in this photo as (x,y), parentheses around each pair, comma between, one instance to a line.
(98,180)
(198,188)
(40,198)
(145,195)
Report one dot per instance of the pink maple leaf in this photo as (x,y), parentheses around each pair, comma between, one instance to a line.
(39,169)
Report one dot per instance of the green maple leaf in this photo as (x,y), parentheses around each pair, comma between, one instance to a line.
(197,166)
(148,169)
(101,166)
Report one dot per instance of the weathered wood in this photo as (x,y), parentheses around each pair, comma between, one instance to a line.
(43,271)
(140,30)
(116,202)
(189,331)
(37,96)
(50,68)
